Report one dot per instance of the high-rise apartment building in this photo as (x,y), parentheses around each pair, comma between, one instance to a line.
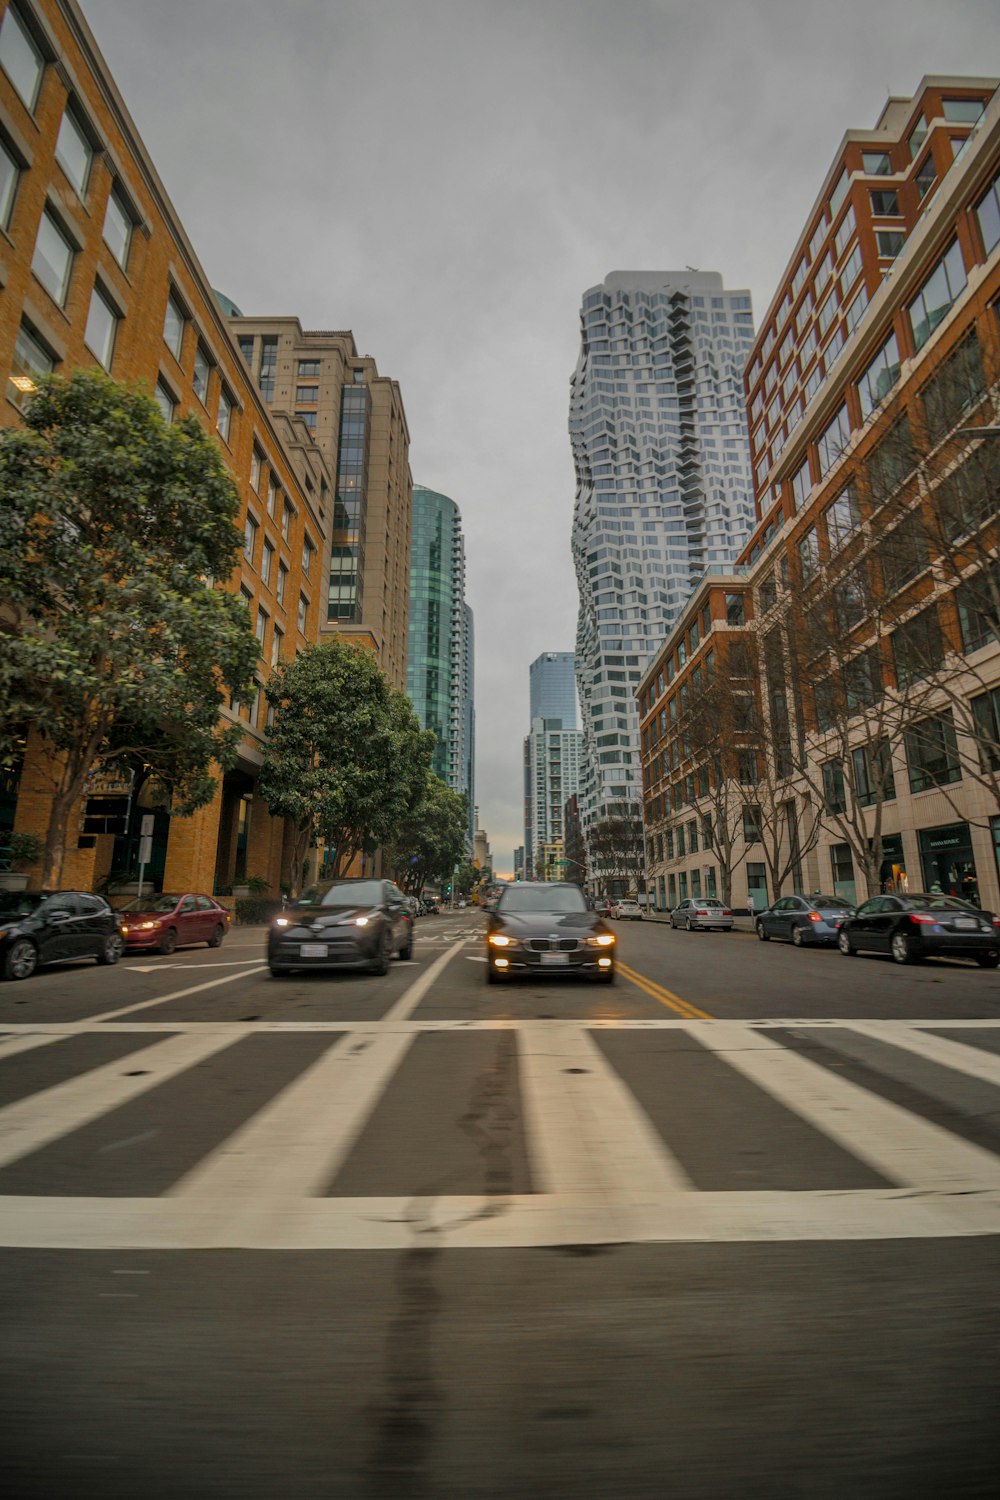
(552,688)
(552,758)
(663,487)
(440,677)
(356,418)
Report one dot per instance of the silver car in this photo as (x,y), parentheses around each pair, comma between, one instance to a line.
(708,914)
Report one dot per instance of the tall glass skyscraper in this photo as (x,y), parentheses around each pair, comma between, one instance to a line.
(663,488)
(552,685)
(440,675)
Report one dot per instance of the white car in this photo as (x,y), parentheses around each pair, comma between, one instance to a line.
(627,911)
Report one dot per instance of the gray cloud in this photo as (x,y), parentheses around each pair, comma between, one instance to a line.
(446,178)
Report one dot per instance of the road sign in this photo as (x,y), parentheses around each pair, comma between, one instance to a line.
(146,827)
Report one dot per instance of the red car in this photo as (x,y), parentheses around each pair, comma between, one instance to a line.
(166,922)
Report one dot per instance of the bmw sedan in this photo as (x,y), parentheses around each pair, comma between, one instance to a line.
(340,923)
(47,927)
(921,925)
(806,921)
(546,927)
(709,914)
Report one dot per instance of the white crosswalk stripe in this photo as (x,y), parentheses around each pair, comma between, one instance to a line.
(600,1169)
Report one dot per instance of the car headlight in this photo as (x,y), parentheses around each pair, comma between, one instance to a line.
(147,926)
(500,940)
(601,940)
(282,921)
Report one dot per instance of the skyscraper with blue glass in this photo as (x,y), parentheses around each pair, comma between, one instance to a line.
(552,688)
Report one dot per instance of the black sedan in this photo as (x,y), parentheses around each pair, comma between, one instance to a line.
(546,927)
(47,927)
(921,925)
(342,922)
(804,920)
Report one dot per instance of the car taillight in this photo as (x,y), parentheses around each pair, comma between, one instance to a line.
(996,921)
(700,913)
(918,919)
(727,912)
(814,916)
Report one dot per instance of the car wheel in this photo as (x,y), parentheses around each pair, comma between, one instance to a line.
(215,941)
(987,960)
(111,949)
(901,949)
(765,937)
(168,941)
(406,952)
(797,937)
(380,963)
(21,960)
(845,945)
(687,926)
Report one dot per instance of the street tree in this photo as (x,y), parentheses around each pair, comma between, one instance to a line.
(345,758)
(115,645)
(617,846)
(430,840)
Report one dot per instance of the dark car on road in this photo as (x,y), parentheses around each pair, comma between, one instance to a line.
(339,923)
(170,921)
(546,927)
(803,920)
(47,927)
(923,925)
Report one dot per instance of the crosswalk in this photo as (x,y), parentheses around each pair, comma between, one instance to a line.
(151,1134)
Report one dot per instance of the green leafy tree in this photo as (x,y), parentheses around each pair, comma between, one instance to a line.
(345,758)
(466,878)
(431,839)
(114,644)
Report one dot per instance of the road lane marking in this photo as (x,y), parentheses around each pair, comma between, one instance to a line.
(900,1145)
(12,1045)
(959,1056)
(195,989)
(665,996)
(51,1113)
(294,1146)
(408,1002)
(586,1133)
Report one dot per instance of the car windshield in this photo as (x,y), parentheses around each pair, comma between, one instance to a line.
(343,893)
(916,901)
(540,898)
(151,903)
(19,903)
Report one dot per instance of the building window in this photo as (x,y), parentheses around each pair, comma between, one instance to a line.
(873,778)
(988,216)
(890,463)
(917,137)
(102,321)
(308,551)
(164,399)
(307,393)
(850,272)
(287,513)
(173,326)
(31,359)
(751,824)
(734,610)
(986,726)
(225,414)
(932,752)
(942,287)
(926,176)
(74,152)
(842,870)
(847,227)
(268,365)
(303,613)
(256,466)
(282,581)
(809,554)
(955,387)
(22,61)
(799,277)
(879,378)
(978,601)
(843,517)
(890,243)
(833,441)
(117,228)
(249,538)
(9,172)
(308,369)
(245,342)
(834,793)
(917,647)
(277,636)
(52,261)
(839,193)
(202,371)
(962,111)
(261,630)
(309,418)
(856,309)
(876,163)
(885,203)
(827,313)
(272,495)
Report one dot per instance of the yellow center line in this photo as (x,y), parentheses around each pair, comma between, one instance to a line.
(665,996)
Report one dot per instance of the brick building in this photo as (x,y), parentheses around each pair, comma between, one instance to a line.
(876,362)
(96,269)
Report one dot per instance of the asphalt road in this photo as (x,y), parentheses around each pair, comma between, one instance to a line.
(730,1227)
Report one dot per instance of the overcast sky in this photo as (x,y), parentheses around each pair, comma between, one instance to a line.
(446,177)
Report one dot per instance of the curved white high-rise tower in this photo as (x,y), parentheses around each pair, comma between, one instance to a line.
(663,488)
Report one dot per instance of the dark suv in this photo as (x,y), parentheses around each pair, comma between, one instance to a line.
(342,922)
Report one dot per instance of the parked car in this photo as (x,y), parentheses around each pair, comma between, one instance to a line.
(922,925)
(545,927)
(433,906)
(709,914)
(170,921)
(47,927)
(339,923)
(602,906)
(627,911)
(803,920)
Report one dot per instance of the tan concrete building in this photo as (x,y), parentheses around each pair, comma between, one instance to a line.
(97,270)
(356,418)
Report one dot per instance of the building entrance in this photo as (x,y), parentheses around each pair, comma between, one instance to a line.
(948,862)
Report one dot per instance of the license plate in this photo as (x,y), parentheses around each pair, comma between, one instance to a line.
(554,959)
(313,950)
(965,922)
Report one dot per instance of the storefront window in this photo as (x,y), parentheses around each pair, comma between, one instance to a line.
(842,868)
(892,872)
(948,864)
(757,887)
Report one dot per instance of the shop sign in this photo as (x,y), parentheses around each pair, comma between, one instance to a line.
(892,846)
(955,836)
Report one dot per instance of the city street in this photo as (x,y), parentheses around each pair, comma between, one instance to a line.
(727,1228)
